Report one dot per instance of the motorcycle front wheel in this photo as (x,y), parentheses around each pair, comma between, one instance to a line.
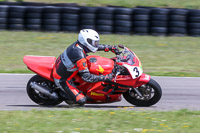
(38,97)
(150,94)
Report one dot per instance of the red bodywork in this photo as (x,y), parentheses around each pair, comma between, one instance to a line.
(43,66)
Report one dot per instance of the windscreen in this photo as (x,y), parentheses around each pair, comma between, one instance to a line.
(127,56)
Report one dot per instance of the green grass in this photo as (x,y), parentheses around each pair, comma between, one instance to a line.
(99,121)
(171,56)
(130,3)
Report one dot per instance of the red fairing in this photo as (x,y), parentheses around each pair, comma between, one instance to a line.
(143,79)
(99,65)
(99,96)
(129,81)
(95,92)
(42,65)
(125,80)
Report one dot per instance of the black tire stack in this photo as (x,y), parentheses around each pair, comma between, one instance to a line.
(140,20)
(70,19)
(16,15)
(159,22)
(33,4)
(9,3)
(51,18)
(104,20)
(107,20)
(3,17)
(123,20)
(33,18)
(194,23)
(88,18)
(177,22)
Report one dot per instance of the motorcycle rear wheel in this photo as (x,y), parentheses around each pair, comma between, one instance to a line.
(36,96)
(152,85)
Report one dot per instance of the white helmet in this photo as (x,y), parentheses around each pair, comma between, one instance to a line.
(89,38)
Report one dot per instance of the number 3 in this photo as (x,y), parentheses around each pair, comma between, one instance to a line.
(136,70)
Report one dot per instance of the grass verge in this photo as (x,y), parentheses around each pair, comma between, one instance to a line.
(130,3)
(160,56)
(99,121)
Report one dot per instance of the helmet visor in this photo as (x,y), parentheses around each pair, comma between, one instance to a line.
(93,42)
(96,44)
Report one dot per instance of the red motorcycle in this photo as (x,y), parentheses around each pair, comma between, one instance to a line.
(136,87)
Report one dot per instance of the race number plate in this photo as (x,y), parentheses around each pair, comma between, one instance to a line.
(134,71)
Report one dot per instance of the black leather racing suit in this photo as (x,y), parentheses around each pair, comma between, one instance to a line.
(71,62)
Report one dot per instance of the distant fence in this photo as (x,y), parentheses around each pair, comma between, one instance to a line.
(106,20)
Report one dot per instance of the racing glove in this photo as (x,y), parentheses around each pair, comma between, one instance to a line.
(115,50)
(107,78)
(107,48)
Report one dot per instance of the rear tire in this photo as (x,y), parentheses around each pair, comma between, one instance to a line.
(37,97)
(130,96)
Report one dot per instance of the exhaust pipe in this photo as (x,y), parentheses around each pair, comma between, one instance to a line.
(44,90)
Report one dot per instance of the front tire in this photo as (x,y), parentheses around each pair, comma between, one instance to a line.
(148,98)
(38,97)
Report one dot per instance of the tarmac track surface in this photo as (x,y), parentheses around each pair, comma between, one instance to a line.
(178,93)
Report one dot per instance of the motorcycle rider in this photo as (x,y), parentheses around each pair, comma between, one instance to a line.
(73,61)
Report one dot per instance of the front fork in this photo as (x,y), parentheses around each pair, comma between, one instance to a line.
(137,92)
(141,81)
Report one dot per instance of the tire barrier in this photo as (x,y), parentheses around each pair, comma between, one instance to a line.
(88,17)
(159,21)
(3,17)
(123,21)
(16,18)
(141,21)
(51,18)
(70,19)
(33,18)
(106,20)
(178,22)
(194,23)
